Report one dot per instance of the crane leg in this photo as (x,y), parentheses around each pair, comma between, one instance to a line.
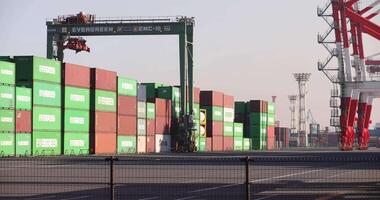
(363,133)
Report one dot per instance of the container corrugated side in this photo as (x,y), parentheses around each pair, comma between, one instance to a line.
(76,143)
(7,73)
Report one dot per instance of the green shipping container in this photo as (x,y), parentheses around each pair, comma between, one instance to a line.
(127,87)
(238,129)
(46,118)
(105,101)
(214,113)
(270,120)
(257,131)
(141,110)
(197,126)
(247,144)
(7,96)
(228,114)
(7,120)
(240,107)
(271,108)
(46,94)
(169,92)
(76,143)
(30,68)
(126,144)
(23,98)
(7,144)
(23,144)
(202,144)
(196,107)
(238,143)
(151,89)
(258,143)
(46,143)
(257,118)
(76,120)
(77,98)
(6,58)
(7,73)
(150,110)
(228,129)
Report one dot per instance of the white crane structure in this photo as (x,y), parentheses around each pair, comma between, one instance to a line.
(302,79)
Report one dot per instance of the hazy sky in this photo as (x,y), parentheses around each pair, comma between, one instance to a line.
(248,49)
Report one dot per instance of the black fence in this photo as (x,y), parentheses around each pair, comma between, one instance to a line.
(190,177)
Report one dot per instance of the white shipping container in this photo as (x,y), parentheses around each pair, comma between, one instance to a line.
(163,143)
(141,144)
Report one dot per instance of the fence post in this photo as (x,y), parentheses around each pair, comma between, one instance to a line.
(112,189)
(247,183)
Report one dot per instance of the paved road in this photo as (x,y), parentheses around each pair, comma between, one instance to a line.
(273,175)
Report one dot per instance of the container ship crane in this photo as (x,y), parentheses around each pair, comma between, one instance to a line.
(65,32)
(344,40)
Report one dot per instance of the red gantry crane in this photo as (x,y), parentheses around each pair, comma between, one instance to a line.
(355,72)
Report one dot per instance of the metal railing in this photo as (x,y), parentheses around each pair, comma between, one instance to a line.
(311,176)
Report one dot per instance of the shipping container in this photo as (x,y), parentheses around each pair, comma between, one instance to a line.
(126,86)
(103,143)
(196,112)
(46,94)
(163,143)
(151,144)
(46,118)
(271,108)
(228,114)
(141,110)
(214,128)
(257,118)
(228,101)
(6,58)
(196,96)
(163,125)
(32,68)
(127,105)
(103,79)
(76,98)
(141,93)
(127,125)
(46,143)
(270,119)
(202,144)
(23,144)
(141,126)
(141,144)
(238,129)
(23,121)
(150,111)
(102,100)
(228,129)
(214,113)
(163,107)
(126,144)
(76,143)
(23,98)
(7,96)
(257,106)
(240,107)
(103,122)
(7,144)
(168,92)
(7,120)
(76,120)
(7,73)
(217,143)
(211,98)
(150,127)
(75,75)
(151,90)
(238,143)
(239,117)
(208,144)
(258,143)
(247,143)
(228,143)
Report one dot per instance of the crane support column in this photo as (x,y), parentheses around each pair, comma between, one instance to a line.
(362,113)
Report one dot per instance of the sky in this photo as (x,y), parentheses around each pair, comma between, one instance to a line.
(246,48)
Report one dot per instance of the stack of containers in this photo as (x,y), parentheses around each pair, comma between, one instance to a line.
(200,137)
(7,109)
(163,125)
(282,137)
(141,110)
(257,123)
(76,109)
(212,101)
(270,130)
(23,121)
(238,136)
(103,112)
(150,127)
(173,94)
(241,117)
(44,77)
(228,122)
(127,115)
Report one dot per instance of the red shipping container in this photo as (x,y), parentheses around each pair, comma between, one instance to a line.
(127,125)
(103,79)
(127,105)
(103,122)
(214,128)
(103,143)
(76,75)
(163,107)
(163,125)
(211,98)
(208,144)
(217,143)
(197,92)
(270,132)
(228,101)
(270,143)
(150,127)
(228,143)
(150,144)
(23,121)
